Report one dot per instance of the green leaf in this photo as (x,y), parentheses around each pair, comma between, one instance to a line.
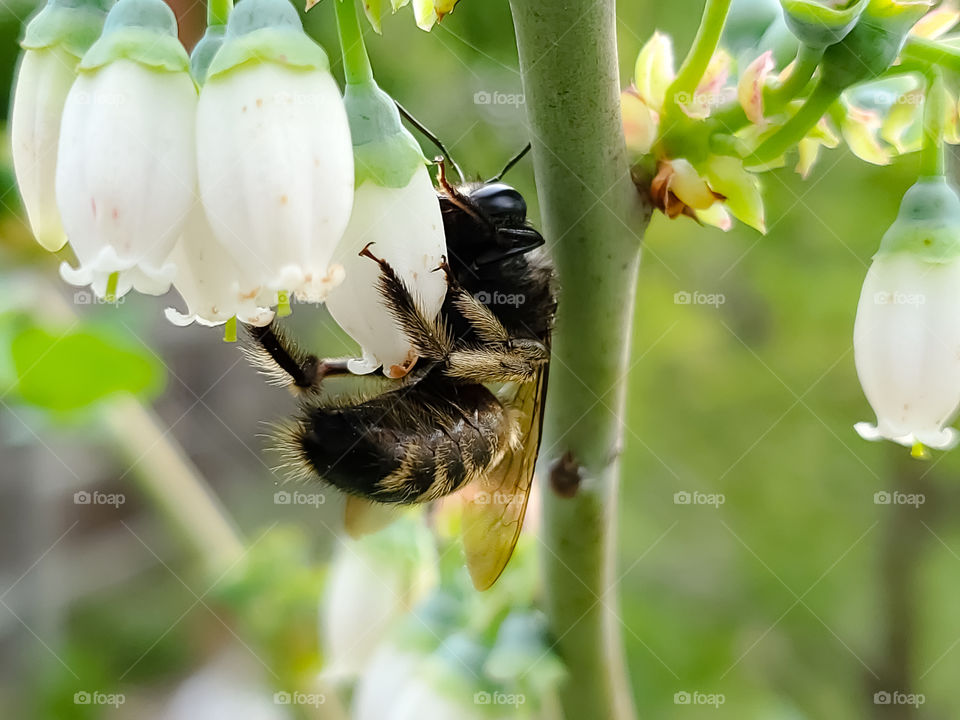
(71,370)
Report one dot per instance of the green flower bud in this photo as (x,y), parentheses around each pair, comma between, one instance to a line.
(144,31)
(818,24)
(873,44)
(928,224)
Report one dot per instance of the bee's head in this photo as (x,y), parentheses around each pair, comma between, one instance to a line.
(506,210)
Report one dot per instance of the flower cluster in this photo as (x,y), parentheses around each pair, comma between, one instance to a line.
(867,73)
(700,136)
(239,175)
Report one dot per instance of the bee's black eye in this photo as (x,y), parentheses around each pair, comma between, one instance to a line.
(500,202)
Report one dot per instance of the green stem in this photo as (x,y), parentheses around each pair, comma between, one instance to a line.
(230,330)
(934,114)
(704,46)
(218,11)
(797,127)
(356,63)
(111,293)
(592,216)
(805,65)
(932,52)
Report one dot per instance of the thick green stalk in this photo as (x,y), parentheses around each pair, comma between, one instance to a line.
(592,218)
(704,46)
(356,63)
(218,11)
(934,114)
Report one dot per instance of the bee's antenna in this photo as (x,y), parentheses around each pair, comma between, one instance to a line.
(432,138)
(516,158)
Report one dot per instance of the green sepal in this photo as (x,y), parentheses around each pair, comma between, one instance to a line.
(267,31)
(73,24)
(205,51)
(872,45)
(384,152)
(818,25)
(144,31)
(928,223)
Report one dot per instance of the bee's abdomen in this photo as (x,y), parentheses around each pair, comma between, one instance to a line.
(412,445)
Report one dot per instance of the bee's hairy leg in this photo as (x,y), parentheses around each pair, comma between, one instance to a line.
(523,360)
(430,338)
(285,364)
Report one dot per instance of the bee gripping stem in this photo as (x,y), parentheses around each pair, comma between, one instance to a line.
(579,156)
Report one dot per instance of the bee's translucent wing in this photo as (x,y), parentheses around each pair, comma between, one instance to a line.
(365,517)
(494,505)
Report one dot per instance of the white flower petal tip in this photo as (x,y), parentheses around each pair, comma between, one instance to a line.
(945,439)
(140,277)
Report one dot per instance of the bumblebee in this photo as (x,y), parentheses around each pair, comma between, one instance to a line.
(443,427)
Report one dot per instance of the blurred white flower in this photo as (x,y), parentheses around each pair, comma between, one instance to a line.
(274,152)
(210,282)
(372,583)
(55,40)
(907,333)
(407,231)
(126,170)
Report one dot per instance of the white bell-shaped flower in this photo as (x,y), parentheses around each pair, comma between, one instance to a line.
(907,333)
(407,231)
(55,41)
(274,152)
(209,280)
(395,208)
(126,169)
(373,582)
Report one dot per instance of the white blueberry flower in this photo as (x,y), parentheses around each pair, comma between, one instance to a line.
(209,281)
(274,152)
(126,169)
(373,582)
(54,42)
(907,332)
(395,209)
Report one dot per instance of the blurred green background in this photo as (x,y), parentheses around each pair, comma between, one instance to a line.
(797,597)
